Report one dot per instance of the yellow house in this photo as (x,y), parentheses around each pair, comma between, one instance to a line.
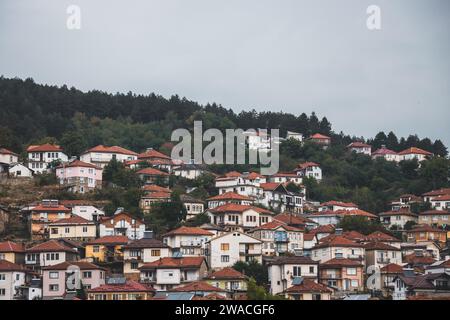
(106,249)
(121,289)
(12,252)
(73,228)
(228,279)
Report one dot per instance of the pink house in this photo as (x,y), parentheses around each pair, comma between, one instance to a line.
(55,278)
(79,176)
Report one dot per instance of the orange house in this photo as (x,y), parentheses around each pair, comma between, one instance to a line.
(342,274)
(42,215)
(427,233)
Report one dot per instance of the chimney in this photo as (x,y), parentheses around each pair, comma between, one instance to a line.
(149,149)
(338,231)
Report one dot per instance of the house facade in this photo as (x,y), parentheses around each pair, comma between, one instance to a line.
(40,156)
(101,155)
(79,176)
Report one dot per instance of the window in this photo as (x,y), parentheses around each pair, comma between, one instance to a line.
(2,277)
(297,270)
(351,271)
(53,287)
(311,270)
(156,253)
(87,274)
(67,230)
(2,256)
(2,292)
(225,246)
(134,265)
(85,229)
(96,249)
(225,258)
(53,275)
(354,283)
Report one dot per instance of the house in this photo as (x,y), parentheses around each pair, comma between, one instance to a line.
(278,238)
(308,290)
(156,159)
(360,148)
(42,215)
(309,170)
(258,141)
(386,154)
(412,285)
(79,177)
(286,177)
(277,197)
(121,289)
(378,236)
(320,139)
(379,254)
(12,277)
(286,270)
(12,252)
(322,231)
(167,273)
(337,205)
(426,232)
(296,221)
(68,277)
(150,198)
(228,279)
(73,228)
(247,183)
(239,217)
(189,241)
(342,275)
(428,196)
(425,248)
(192,205)
(89,210)
(337,246)
(101,155)
(418,261)
(49,253)
(227,249)
(155,188)
(414,153)
(437,218)
(152,175)
(294,135)
(202,289)
(387,275)
(442,266)
(8,157)
(106,249)
(19,170)
(405,201)
(441,202)
(190,171)
(229,197)
(41,156)
(142,251)
(334,217)
(122,224)
(397,218)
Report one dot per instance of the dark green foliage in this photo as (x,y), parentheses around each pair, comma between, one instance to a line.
(254,270)
(116,174)
(258,292)
(360,224)
(198,220)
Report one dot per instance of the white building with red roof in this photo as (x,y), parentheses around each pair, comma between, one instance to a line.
(229,197)
(122,224)
(385,153)
(40,156)
(320,139)
(309,170)
(428,196)
(152,175)
(247,183)
(73,228)
(49,253)
(79,177)
(189,241)
(286,177)
(337,205)
(8,157)
(414,153)
(101,155)
(360,147)
(337,246)
(441,202)
(277,197)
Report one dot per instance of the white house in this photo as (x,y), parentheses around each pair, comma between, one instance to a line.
(284,270)
(337,247)
(12,277)
(48,254)
(360,147)
(40,156)
(227,249)
(387,154)
(85,209)
(337,205)
(190,171)
(441,202)
(247,183)
(294,135)
(309,170)
(286,177)
(19,170)
(122,224)
(378,255)
(229,197)
(8,157)
(397,218)
(101,155)
(189,241)
(414,153)
(277,197)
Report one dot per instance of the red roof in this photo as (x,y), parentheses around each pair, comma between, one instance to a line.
(309,286)
(6,266)
(302,166)
(128,286)
(435,212)
(197,286)
(339,204)
(83,265)
(274,224)
(380,246)
(72,220)
(358,144)
(155,188)
(286,174)
(319,136)
(445,197)
(292,219)
(230,196)
(253,176)
(158,195)
(338,241)
(415,150)
(382,237)
(189,231)
(6,151)
(326,228)
(58,208)
(153,154)
(233,174)
(356,212)
(44,148)
(383,151)
(270,186)
(9,246)
(233,207)
(340,262)
(110,240)
(415,259)
(392,268)
(51,246)
(438,192)
(226,273)
(78,163)
(185,262)
(152,172)
(425,228)
(114,149)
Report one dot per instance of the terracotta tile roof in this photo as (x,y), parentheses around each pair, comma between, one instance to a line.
(338,241)
(381,236)
(211,296)
(292,260)
(226,273)
(83,265)
(338,263)
(185,262)
(129,286)
(50,246)
(383,151)
(438,192)
(114,149)
(6,266)
(319,136)
(414,150)
(6,151)
(401,212)
(358,144)
(392,268)
(78,202)
(308,286)
(230,196)
(292,219)
(233,174)
(44,148)
(110,240)
(356,212)
(9,246)
(152,172)
(303,166)
(326,228)
(274,224)
(189,231)
(418,260)
(78,163)
(155,188)
(157,195)
(152,153)
(286,174)
(445,197)
(339,204)
(197,286)
(145,243)
(58,208)
(269,186)
(308,237)
(380,246)
(233,207)
(425,228)
(72,220)
(435,212)
(354,235)
(106,221)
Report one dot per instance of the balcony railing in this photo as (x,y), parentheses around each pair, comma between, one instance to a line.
(191,243)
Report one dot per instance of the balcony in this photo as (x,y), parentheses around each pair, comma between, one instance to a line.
(191,243)
(383,260)
(248,252)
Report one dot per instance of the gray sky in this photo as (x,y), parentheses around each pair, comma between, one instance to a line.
(290,55)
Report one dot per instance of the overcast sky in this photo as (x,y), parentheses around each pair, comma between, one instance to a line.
(286,55)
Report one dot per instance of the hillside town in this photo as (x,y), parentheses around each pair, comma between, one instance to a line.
(73,249)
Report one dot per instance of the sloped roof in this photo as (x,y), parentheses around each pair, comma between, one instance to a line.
(197,286)
(6,151)
(9,246)
(72,220)
(230,196)
(6,266)
(338,263)
(189,231)
(292,260)
(309,286)
(110,240)
(358,144)
(380,246)
(384,151)
(78,163)
(226,273)
(152,171)
(83,265)
(152,153)
(381,236)
(338,241)
(145,243)
(319,136)
(274,224)
(50,246)
(128,286)
(114,149)
(168,262)
(414,150)
(392,268)
(47,147)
